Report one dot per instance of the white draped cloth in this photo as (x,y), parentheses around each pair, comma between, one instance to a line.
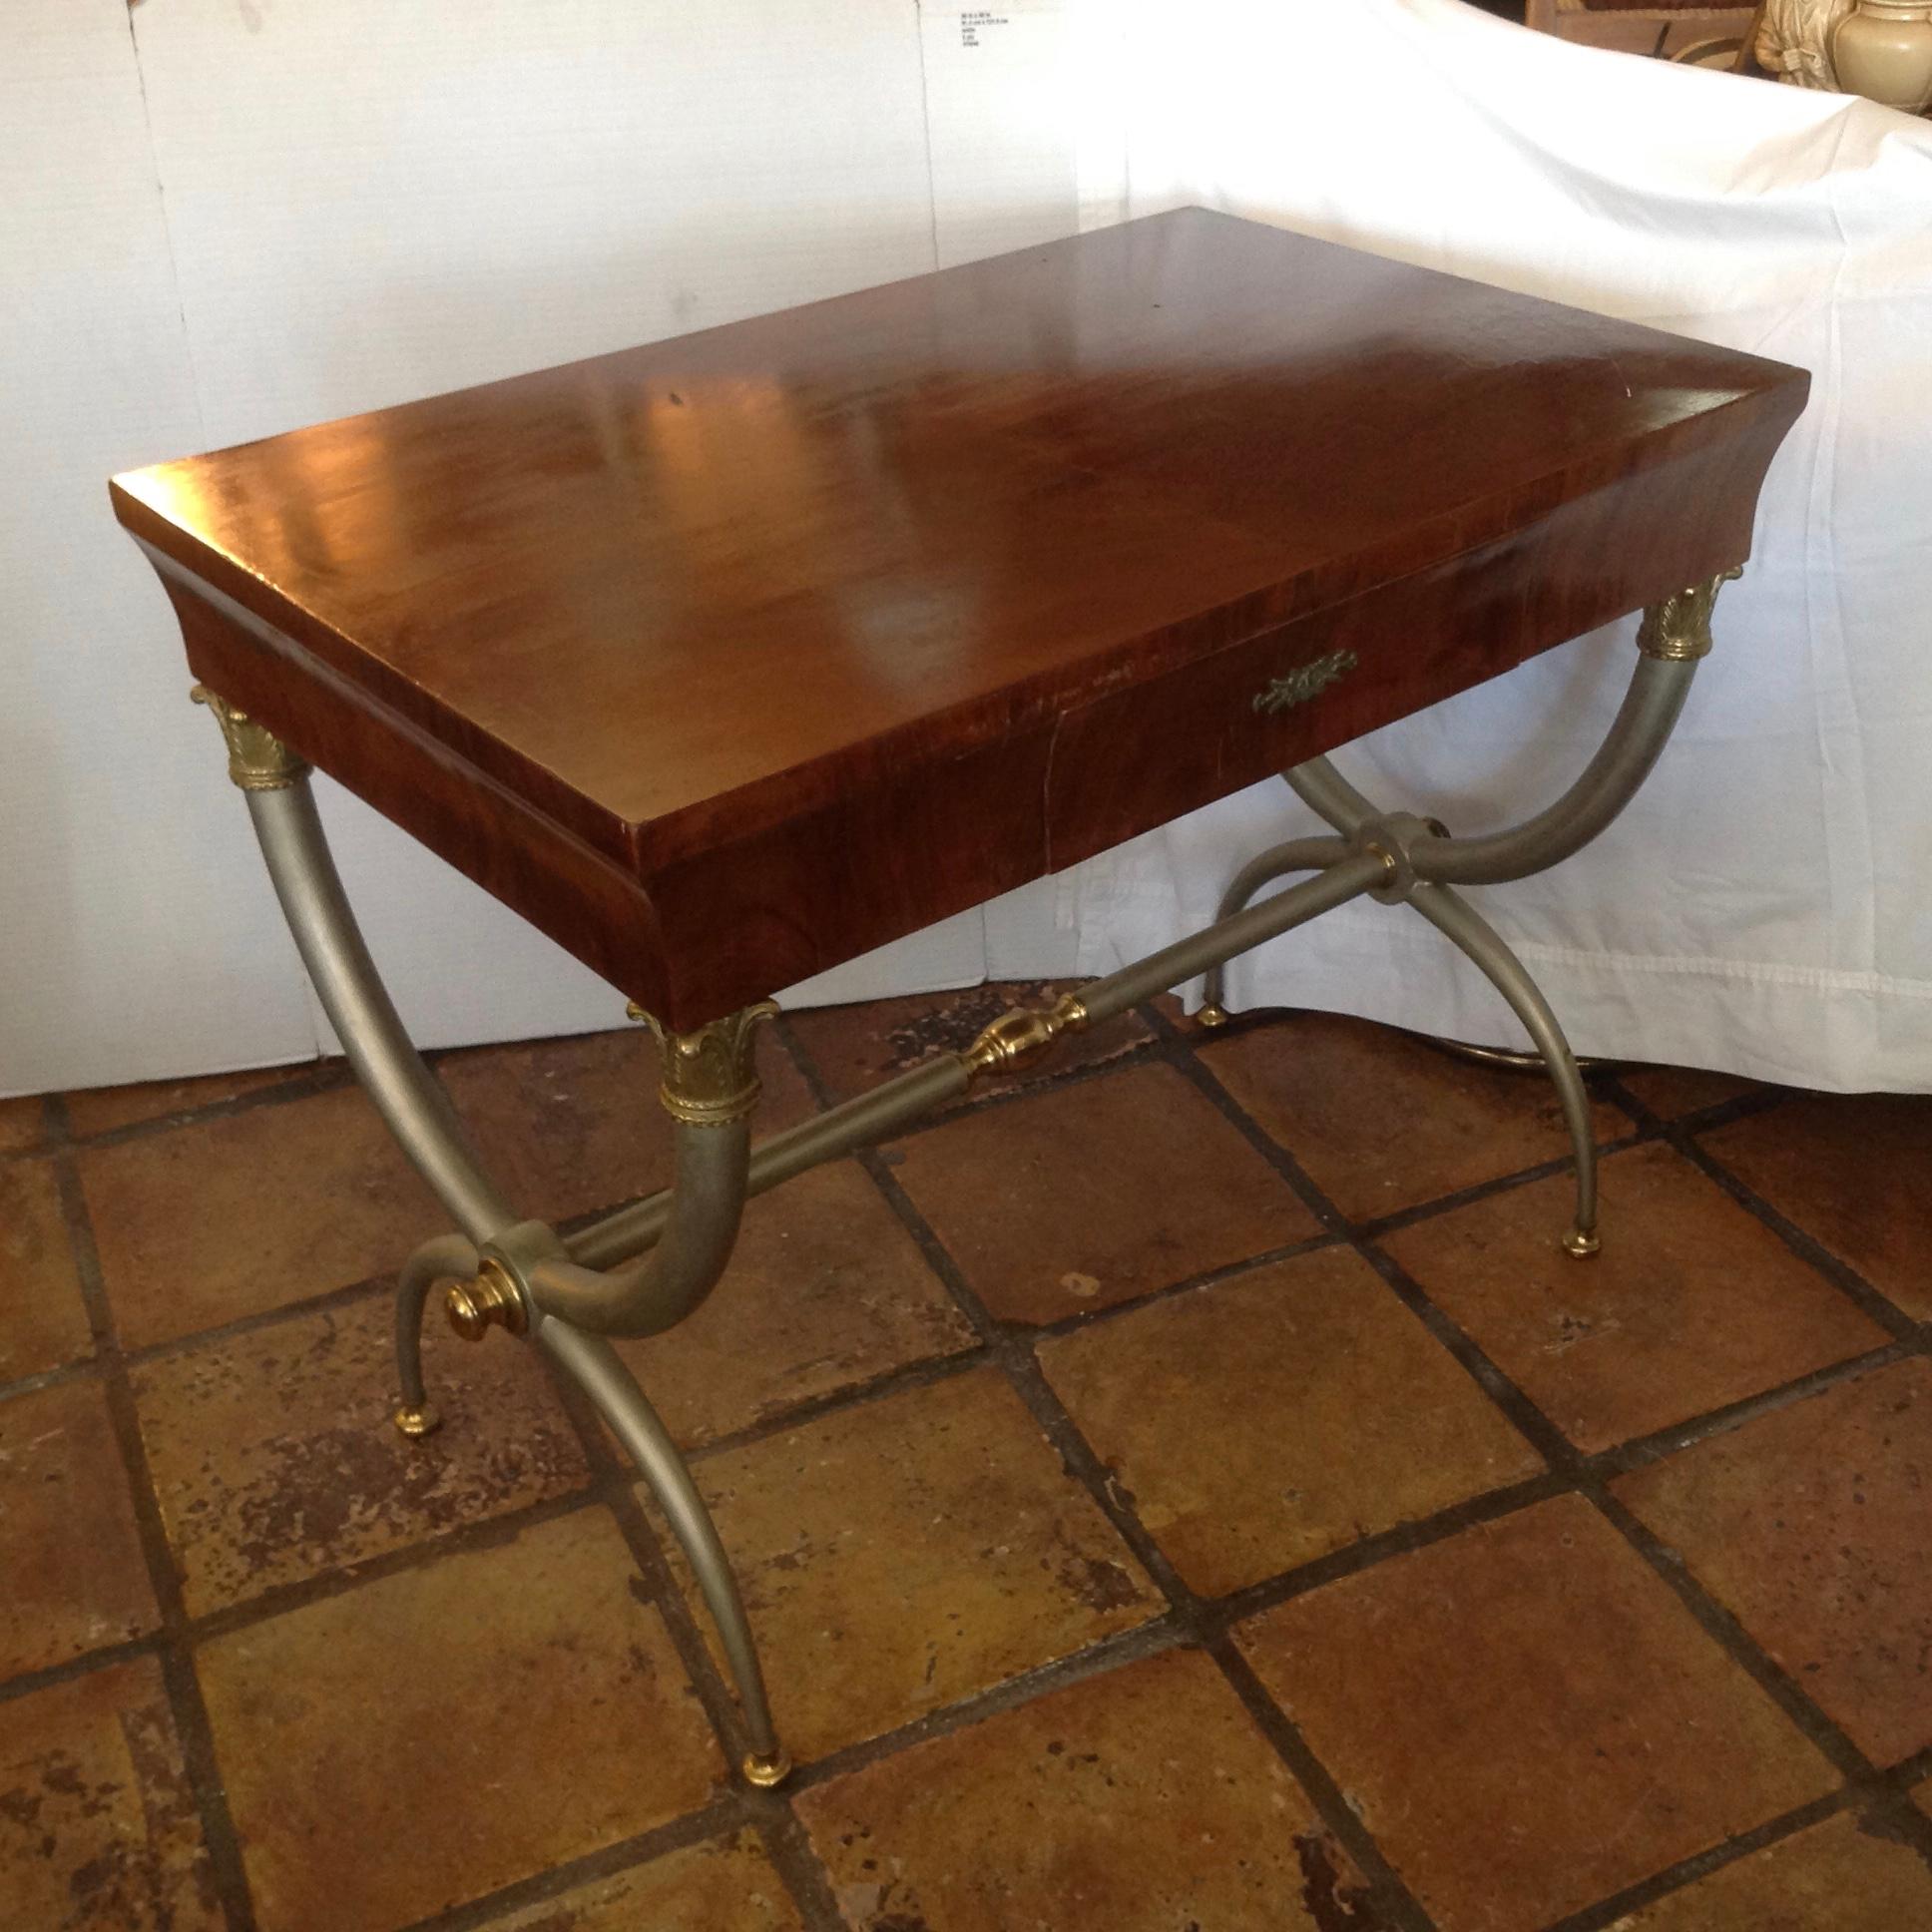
(1765,905)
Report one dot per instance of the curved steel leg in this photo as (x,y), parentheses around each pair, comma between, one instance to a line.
(861,1121)
(294,847)
(406,1093)
(1297,855)
(447,1258)
(1328,795)
(1632,744)
(704,1089)
(593,1364)
(705,1206)
(1460,923)
(710,1089)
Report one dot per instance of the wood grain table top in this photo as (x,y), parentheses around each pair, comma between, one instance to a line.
(729,656)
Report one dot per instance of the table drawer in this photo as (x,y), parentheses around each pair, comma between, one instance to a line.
(1141,755)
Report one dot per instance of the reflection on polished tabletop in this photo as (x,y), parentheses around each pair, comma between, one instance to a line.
(726,658)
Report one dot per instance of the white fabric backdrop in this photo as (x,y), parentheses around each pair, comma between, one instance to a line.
(1766,904)
(235,220)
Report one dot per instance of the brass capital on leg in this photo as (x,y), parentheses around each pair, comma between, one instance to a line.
(710,1074)
(1677,630)
(258,759)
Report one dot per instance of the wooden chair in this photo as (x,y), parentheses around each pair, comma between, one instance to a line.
(1682,30)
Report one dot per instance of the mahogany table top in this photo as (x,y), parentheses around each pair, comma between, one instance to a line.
(727,657)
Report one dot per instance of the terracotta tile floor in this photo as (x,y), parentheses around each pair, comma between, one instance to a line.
(1186,1489)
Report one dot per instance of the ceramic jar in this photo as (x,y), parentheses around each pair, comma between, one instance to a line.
(1884,51)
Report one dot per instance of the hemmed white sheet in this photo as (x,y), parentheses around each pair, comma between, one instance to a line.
(1766,906)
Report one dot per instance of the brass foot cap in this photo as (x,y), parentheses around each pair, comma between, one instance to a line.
(419,1422)
(766,1772)
(1210,1016)
(1582,1242)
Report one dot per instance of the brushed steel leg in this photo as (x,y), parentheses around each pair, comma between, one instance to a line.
(709,1086)
(1328,795)
(1459,921)
(406,1093)
(447,1258)
(593,1365)
(1671,641)
(1632,746)
(1297,855)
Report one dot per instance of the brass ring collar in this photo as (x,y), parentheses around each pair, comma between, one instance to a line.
(1389,838)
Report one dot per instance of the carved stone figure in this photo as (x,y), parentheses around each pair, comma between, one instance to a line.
(1794,41)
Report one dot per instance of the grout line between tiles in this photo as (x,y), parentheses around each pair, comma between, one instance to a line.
(1639,1452)
(1015,1355)
(486,1533)
(1396,1906)
(194,1733)
(1222,1614)
(1586,1478)
(1605,1915)
(1403,1218)
(1154,1637)
(25,1682)
(1191,1621)
(324,1302)
(789,1845)
(717,1819)
(1847,1280)
(86,1369)
(304,1080)
(1717,1112)
(926,1373)
(779,1826)
(1724,1626)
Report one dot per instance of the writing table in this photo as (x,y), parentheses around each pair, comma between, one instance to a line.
(726,659)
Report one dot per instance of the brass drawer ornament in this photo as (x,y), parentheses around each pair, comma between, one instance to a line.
(1296,687)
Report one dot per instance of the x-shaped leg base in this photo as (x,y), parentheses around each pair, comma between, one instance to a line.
(645,1266)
